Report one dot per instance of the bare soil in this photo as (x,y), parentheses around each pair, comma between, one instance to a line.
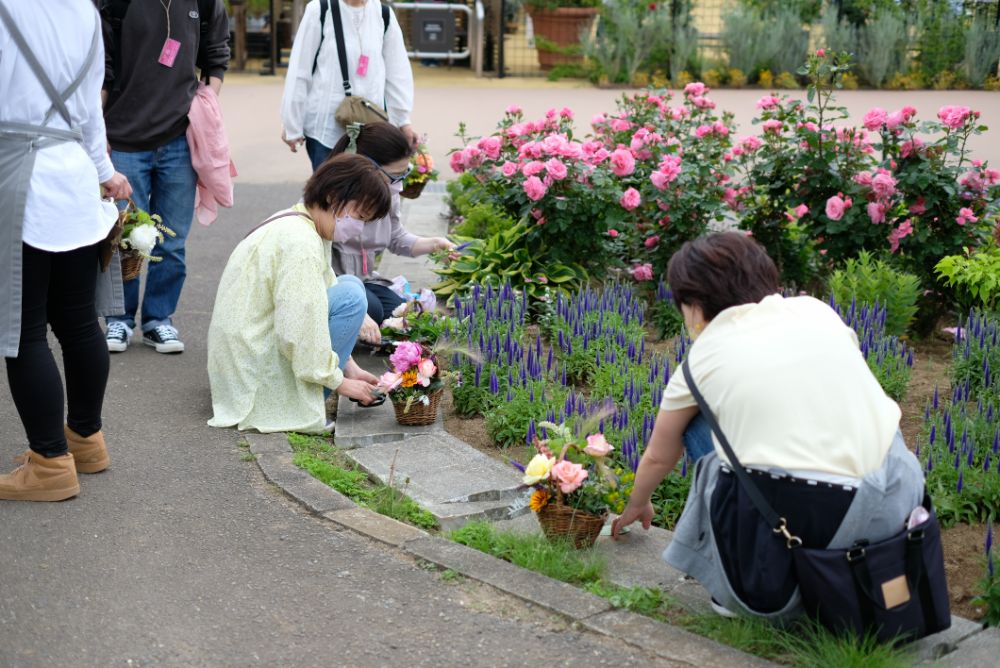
(963,544)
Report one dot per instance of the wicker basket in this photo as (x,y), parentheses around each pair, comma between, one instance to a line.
(413,190)
(131,264)
(419,413)
(561,521)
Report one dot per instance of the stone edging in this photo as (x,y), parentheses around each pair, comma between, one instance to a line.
(273,455)
(966,643)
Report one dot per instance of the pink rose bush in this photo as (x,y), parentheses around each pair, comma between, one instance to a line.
(569,470)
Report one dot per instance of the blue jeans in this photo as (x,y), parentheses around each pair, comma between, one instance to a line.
(698,438)
(348,305)
(318,153)
(163,182)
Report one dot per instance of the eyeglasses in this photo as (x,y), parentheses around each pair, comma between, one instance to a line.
(393,178)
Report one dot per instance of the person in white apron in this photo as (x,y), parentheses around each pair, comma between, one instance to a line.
(52,158)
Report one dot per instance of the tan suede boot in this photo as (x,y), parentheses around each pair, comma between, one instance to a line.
(90,453)
(41,478)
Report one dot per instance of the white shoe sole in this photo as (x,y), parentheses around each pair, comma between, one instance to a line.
(722,611)
(117,346)
(171,347)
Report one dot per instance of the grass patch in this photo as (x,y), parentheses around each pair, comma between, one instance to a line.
(331,467)
(248,457)
(804,644)
(558,560)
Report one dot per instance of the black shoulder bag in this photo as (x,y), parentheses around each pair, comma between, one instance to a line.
(893,589)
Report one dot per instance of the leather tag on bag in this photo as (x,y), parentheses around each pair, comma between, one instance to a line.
(895,592)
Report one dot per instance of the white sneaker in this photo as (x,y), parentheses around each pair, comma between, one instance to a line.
(721,611)
(164,339)
(118,336)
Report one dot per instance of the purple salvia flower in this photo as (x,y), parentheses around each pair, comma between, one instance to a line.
(969,461)
(930,462)
(988,545)
(518,465)
(961,482)
(986,463)
(958,462)
(996,442)
(933,434)
(684,468)
(935,397)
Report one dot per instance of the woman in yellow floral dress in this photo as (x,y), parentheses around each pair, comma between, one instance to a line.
(284,324)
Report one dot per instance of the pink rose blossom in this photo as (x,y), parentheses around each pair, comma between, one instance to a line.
(768,102)
(426,370)
(835,207)
(702,130)
(863,179)
(876,212)
(630,199)
(455,161)
(751,144)
(566,113)
(613,233)
(875,119)
(472,156)
(918,207)
(406,355)
(895,120)
(773,126)
(490,146)
(702,102)
(642,272)
(568,476)
(509,168)
(622,162)
(720,128)
(801,210)
(390,381)
(695,88)
(965,215)
(514,109)
(821,53)
(953,116)
(905,229)
(651,241)
(556,169)
(597,119)
(619,125)
(883,185)
(597,445)
(532,168)
(911,147)
(534,188)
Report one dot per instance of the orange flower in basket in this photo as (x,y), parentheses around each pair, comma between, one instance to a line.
(424,160)
(409,378)
(539,499)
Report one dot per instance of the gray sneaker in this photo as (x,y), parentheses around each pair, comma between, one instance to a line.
(164,339)
(118,336)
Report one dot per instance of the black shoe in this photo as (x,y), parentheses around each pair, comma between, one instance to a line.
(164,339)
(118,336)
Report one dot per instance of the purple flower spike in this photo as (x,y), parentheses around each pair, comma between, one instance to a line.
(989,538)
(935,400)
(961,482)
(933,434)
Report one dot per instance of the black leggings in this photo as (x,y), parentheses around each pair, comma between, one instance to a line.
(58,290)
(382,301)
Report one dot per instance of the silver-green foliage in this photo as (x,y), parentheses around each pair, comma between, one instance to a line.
(882,45)
(756,41)
(982,51)
(628,33)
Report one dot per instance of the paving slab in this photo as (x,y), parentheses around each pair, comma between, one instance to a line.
(528,585)
(267,443)
(981,650)
(932,648)
(670,642)
(361,427)
(443,474)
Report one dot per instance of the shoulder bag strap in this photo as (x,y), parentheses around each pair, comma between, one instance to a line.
(283,214)
(36,67)
(385,19)
(324,5)
(778,524)
(338,31)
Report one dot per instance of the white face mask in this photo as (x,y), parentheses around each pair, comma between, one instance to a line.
(347,228)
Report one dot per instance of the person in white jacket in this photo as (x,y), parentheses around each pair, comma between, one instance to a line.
(314,85)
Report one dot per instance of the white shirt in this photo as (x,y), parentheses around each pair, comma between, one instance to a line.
(790,388)
(310,101)
(63,209)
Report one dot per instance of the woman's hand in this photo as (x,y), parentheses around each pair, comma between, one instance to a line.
(117,187)
(357,389)
(354,371)
(370,331)
(425,245)
(633,511)
(440,244)
(293,143)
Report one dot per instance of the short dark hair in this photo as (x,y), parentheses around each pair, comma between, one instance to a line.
(349,179)
(382,142)
(720,270)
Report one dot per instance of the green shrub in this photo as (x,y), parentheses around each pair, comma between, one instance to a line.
(627,35)
(757,40)
(982,51)
(975,275)
(868,280)
(483,220)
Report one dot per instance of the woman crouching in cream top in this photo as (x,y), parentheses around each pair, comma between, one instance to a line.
(792,392)
(284,325)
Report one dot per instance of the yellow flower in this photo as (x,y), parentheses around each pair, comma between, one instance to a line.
(539,500)
(538,469)
(410,378)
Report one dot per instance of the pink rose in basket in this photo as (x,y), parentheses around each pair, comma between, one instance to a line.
(407,355)
(568,476)
(389,381)
(425,372)
(597,446)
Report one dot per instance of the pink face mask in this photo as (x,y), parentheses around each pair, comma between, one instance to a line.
(347,228)
(396,188)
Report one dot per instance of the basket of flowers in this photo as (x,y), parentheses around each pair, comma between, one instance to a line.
(414,384)
(423,172)
(418,320)
(571,484)
(140,232)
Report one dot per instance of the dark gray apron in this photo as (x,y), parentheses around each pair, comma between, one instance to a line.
(19,143)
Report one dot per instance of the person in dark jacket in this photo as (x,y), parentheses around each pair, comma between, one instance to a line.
(154,48)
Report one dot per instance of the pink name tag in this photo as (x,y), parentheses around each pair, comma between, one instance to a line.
(169,52)
(362,66)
